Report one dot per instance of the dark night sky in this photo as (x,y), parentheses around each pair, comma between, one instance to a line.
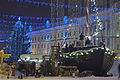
(24,9)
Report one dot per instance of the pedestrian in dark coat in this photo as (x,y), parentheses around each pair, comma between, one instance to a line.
(87,42)
(82,39)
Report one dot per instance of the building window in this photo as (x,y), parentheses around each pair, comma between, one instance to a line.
(38,46)
(65,34)
(45,37)
(35,46)
(48,45)
(38,39)
(41,45)
(44,45)
(58,35)
(32,46)
(41,37)
(51,36)
(54,44)
(35,39)
(48,37)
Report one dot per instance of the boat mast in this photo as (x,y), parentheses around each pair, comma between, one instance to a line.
(87,28)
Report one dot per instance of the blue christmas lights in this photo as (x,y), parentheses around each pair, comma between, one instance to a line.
(65,35)
(30,28)
(39,18)
(48,37)
(43,27)
(4,35)
(3,40)
(60,5)
(47,24)
(5,31)
(65,20)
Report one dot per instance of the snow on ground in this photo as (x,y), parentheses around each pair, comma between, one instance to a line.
(114,69)
(63,78)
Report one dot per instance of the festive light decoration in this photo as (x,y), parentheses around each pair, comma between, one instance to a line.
(47,24)
(97,19)
(59,5)
(3,40)
(65,35)
(4,35)
(5,31)
(48,37)
(45,31)
(65,20)
(39,24)
(41,18)
(19,41)
(30,28)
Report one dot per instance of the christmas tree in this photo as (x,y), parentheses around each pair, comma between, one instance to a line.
(19,42)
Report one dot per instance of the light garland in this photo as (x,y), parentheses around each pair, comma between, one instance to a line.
(29,23)
(59,5)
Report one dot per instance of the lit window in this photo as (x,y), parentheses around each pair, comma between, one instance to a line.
(39,39)
(65,34)
(48,37)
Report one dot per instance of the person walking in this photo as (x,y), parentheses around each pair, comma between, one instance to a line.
(82,39)
(87,42)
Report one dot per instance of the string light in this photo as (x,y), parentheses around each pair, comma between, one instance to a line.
(59,5)
(70,24)
(3,40)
